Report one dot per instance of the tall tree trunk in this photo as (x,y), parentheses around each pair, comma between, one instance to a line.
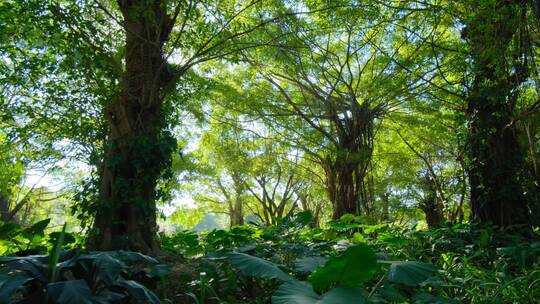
(346,173)
(345,180)
(237,214)
(496,157)
(137,148)
(4,209)
(341,187)
(433,210)
(431,205)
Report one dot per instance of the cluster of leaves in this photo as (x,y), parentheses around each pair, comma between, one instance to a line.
(355,261)
(93,277)
(29,275)
(21,241)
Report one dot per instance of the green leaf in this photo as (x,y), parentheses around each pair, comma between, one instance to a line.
(131,257)
(483,238)
(10,283)
(36,230)
(108,267)
(359,238)
(8,230)
(32,265)
(303,218)
(55,255)
(70,292)
(340,295)
(309,264)
(256,267)
(352,268)
(68,238)
(409,273)
(139,292)
(347,218)
(160,271)
(107,297)
(296,292)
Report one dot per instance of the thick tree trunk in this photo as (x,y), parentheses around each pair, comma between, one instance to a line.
(236,213)
(496,157)
(433,210)
(344,182)
(4,210)
(346,172)
(137,149)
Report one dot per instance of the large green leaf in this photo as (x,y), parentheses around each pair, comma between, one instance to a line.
(70,292)
(69,238)
(256,267)
(295,292)
(35,231)
(11,282)
(409,273)
(55,255)
(352,268)
(138,292)
(309,264)
(108,267)
(32,265)
(340,295)
(133,257)
(106,297)
(8,230)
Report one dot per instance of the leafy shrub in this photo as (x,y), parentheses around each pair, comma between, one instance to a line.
(15,239)
(67,277)
(354,260)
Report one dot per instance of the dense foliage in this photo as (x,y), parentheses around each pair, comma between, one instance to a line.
(269,151)
(351,261)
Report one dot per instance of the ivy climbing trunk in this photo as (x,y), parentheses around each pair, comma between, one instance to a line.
(496,157)
(137,148)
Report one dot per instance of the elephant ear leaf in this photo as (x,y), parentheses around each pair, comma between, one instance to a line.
(70,292)
(9,230)
(256,267)
(109,267)
(138,292)
(11,282)
(352,268)
(340,295)
(309,264)
(36,231)
(296,292)
(409,273)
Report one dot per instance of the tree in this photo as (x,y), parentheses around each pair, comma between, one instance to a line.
(496,32)
(275,188)
(12,173)
(139,146)
(221,170)
(338,88)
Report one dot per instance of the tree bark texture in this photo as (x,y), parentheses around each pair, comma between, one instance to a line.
(346,172)
(496,157)
(137,148)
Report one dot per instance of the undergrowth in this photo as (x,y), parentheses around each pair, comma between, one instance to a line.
(348,261)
